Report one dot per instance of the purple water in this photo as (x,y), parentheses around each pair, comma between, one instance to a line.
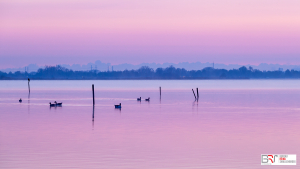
(231,125)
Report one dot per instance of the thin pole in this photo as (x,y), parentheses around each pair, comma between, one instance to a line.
(197,93)
(28,85)
(160,91)
(93,95)
(194,94)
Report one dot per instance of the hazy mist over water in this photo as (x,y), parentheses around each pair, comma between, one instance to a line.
(231,125)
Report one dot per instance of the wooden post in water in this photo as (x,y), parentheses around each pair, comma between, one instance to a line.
(159,91)
(197,94)
(93,95)
(194,94)
(28,85)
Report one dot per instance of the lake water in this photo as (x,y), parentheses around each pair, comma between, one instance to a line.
(231,125)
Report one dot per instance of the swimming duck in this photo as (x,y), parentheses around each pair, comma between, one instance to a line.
(58,104)
(118,106)
(52,105)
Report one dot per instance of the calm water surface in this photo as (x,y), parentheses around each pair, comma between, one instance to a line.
(232,124)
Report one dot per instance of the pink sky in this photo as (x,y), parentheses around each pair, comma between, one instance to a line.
(135,31)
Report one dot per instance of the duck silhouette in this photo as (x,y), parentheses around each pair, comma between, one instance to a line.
(52,105)
(118,106)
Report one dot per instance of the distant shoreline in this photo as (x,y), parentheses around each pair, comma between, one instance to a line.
(146,73)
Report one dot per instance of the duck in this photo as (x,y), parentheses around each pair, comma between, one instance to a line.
(139,99)
(52,105)
(118,106)
(147,99)
(58,104)
(20,100)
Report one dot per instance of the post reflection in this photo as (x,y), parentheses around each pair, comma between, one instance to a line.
(93,116)
(195,104)
(28,103)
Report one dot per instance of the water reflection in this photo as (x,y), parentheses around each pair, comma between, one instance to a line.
(93,112)
(232,127)
(195,104)
(55,106)
(28,103)
(93,116)
(118,110)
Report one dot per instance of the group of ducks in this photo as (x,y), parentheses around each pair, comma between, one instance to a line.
(55,104)
(118,106)
(51,105)
(140,99)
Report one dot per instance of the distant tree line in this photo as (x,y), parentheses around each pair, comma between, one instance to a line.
(61,73)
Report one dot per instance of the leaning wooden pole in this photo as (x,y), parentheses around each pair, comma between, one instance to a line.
(28,85)
(93,94)
(197,94)
(194,94)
